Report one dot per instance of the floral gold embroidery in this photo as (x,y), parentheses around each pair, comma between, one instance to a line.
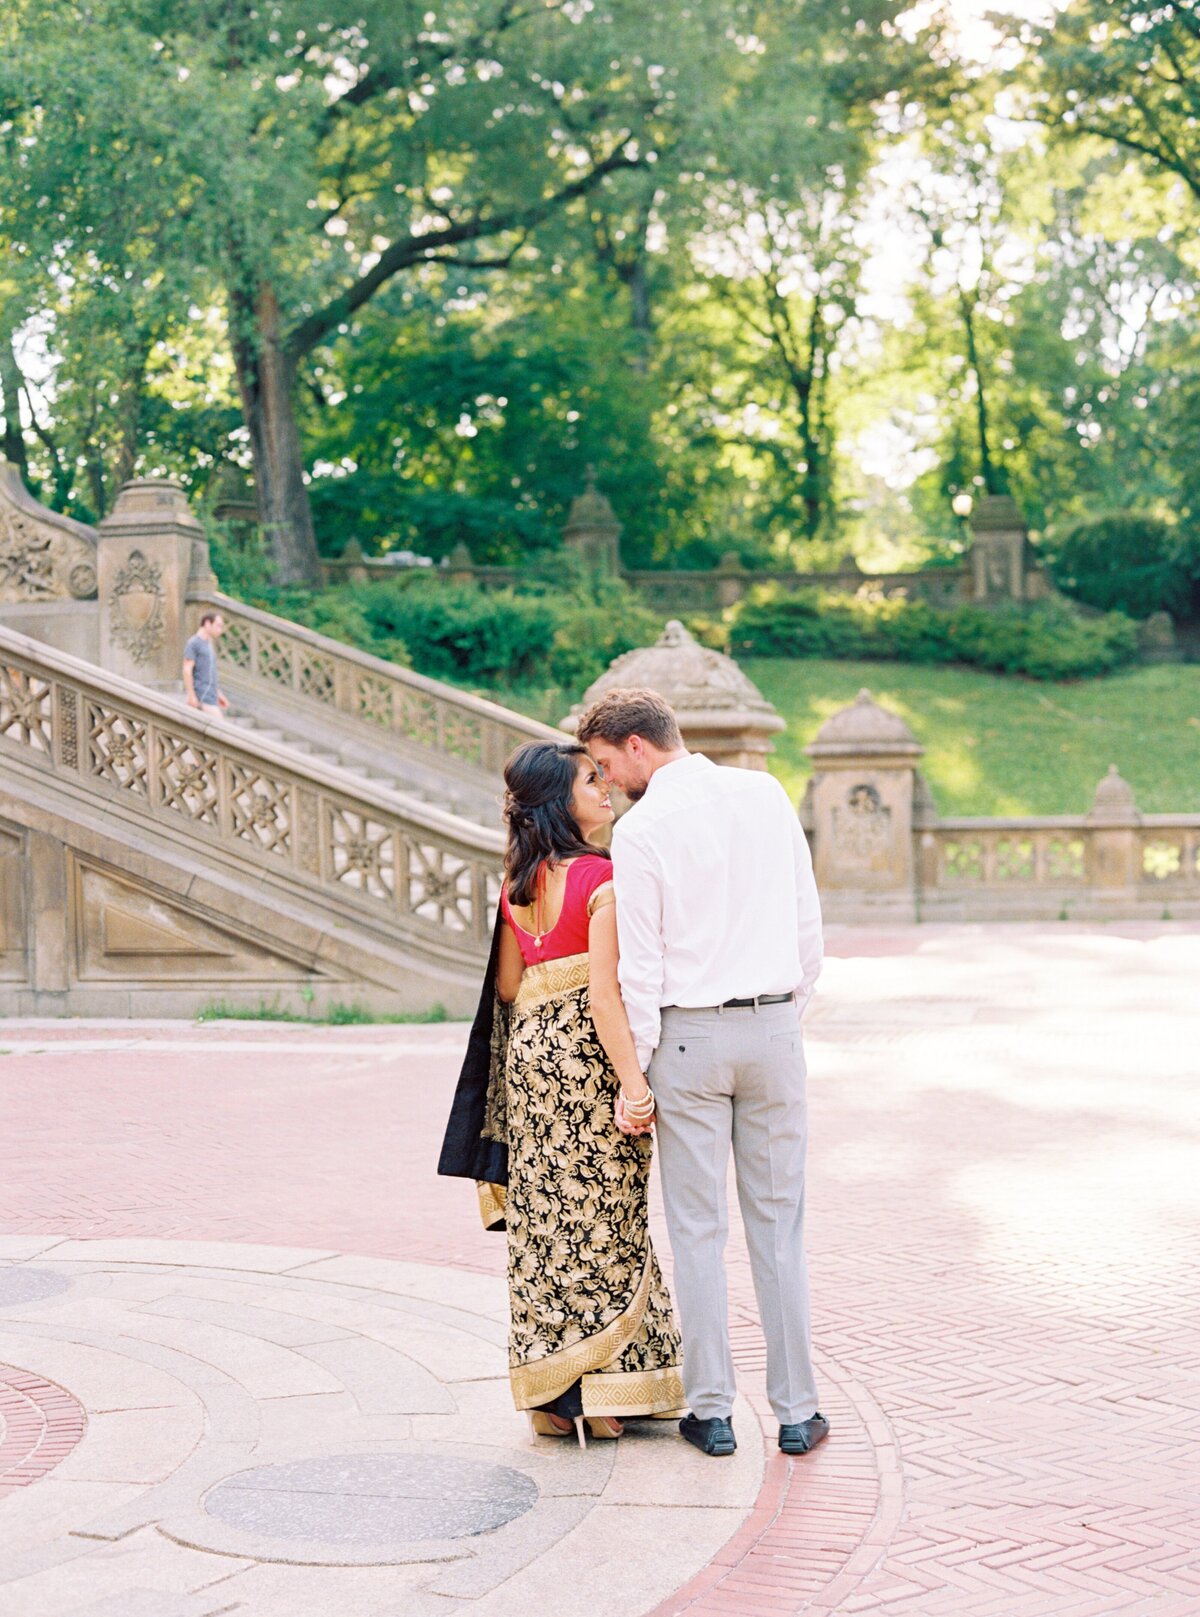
(585,1293)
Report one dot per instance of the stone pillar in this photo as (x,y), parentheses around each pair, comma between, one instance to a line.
(860,808)
(353,571)
(998,560)
(150,549)
(731,579)
(721,713)
(1115,870)
(592,530)
(460,565)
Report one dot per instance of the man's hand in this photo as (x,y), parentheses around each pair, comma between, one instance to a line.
(222,699)
(193,700)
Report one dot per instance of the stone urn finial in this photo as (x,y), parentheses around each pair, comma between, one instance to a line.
(721,712)
(865,728)
(1114,802)
(592,529)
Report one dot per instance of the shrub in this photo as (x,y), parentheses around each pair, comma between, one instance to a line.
(1128,563)
(1049,640)
(564,636)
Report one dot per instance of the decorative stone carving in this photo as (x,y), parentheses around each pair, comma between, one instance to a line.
(1114,802)
(862,828)
(998,551)
(860,807)
(592,529)
(721,712)
(137,603)
(43,556)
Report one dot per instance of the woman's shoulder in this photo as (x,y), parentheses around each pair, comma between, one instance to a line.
(592,868)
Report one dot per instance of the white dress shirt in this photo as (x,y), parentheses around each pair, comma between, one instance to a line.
(715,894)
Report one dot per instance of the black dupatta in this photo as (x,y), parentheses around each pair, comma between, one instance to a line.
(476,1141)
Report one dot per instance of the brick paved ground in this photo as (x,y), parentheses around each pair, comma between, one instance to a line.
(1005,1209)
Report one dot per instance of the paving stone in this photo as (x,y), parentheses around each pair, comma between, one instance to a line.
(20,1285)
(135,1445)
(1001,1125)
(381,1381)
(655,1550)
(267,1324)
(373,1499)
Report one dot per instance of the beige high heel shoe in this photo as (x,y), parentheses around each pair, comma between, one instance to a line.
(544,1424)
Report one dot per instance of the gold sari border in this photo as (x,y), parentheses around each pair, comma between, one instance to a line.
(601,898)
(492,1199)
(635,1392)
(548,979)
(543,1379)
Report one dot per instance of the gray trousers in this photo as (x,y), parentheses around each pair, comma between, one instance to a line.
(736,1077)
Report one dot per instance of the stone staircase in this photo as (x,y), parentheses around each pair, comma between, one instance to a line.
(335,840)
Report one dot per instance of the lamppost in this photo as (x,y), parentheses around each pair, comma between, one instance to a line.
(962,505)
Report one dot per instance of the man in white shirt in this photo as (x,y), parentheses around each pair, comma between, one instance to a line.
(719,927)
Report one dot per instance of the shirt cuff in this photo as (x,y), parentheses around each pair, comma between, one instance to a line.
(645,1054)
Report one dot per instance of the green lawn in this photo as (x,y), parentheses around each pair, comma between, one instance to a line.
(1009,746)
(994,745)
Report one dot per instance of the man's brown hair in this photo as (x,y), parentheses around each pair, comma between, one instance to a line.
(209,617)
(626,712)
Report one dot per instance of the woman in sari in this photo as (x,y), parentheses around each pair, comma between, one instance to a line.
(592,1336)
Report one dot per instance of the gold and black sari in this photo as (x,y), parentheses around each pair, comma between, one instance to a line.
(587,1301)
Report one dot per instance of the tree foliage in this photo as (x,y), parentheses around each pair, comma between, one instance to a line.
(789,276)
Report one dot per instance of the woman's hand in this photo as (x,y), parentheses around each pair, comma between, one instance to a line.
(628,1125)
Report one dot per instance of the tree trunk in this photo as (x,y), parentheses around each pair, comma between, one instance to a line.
(987,468)
(129,412)
(267,383)
(13,444)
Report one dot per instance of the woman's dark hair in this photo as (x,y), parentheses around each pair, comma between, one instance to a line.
(540,782)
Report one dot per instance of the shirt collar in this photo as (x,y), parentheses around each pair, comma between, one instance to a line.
(676,770)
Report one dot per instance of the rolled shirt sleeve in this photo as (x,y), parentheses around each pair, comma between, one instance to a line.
(637,882)
(808,917)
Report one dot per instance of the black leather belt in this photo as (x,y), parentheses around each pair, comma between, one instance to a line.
(758,999)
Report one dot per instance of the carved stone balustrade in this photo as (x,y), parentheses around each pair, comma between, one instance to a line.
(94,749)
(457,729)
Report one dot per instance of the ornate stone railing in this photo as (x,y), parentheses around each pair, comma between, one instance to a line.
(449,724)
(1152,862)
(676,590)
(880,849)
(255,804)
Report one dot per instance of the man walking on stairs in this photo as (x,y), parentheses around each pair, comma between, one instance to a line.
(200,667)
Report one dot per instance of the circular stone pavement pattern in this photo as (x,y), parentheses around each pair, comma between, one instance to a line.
(373,1498)
(21,1285)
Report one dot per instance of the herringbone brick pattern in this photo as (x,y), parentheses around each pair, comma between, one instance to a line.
(1004,1212)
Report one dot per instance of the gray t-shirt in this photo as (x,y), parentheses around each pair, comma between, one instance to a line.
(201,651)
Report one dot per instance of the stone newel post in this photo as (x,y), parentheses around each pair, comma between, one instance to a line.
(859,810)
(998,562)
(721,713)
(592,529)
(1115,819)
(150,546)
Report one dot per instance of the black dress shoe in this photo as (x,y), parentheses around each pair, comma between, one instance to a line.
(804,1435)
(709,1436)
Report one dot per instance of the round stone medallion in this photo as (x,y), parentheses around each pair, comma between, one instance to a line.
(373,1499)
(20,1285)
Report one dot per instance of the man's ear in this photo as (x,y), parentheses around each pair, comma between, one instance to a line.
(636,747)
